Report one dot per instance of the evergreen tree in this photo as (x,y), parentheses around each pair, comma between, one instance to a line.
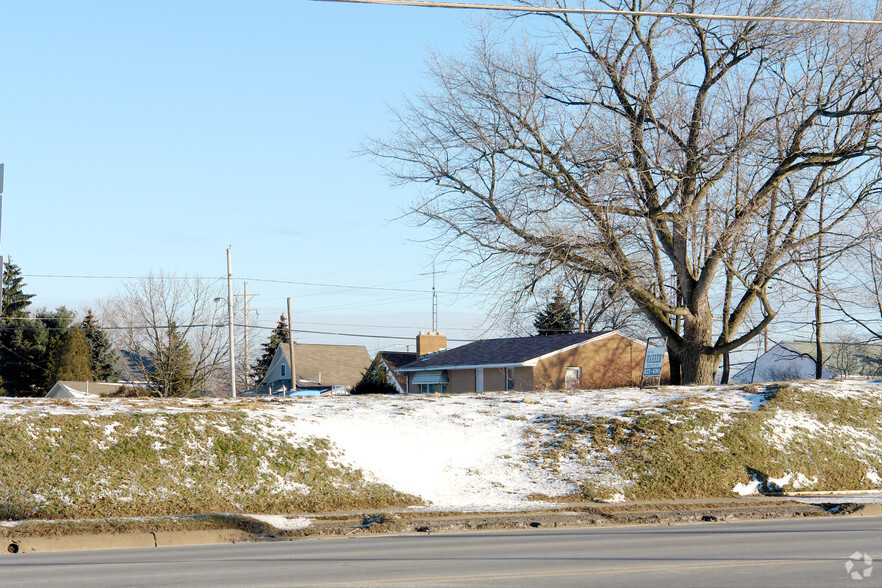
(101,354)
(172,372)
(69,357)
(15,301)
(375,380)
(14,338)
(556,318)
(27,350)
(278,337)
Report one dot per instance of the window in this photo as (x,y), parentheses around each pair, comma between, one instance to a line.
(431,381)
(283,370)
(509,379)
(573,378)
(433,388)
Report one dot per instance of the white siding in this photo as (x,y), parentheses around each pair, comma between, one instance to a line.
(780,363)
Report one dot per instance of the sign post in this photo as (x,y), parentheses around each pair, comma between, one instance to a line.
(653,362)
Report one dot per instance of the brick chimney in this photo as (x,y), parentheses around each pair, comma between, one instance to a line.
(430,342)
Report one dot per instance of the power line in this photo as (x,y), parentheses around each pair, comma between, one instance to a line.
(609,12)
(250,279)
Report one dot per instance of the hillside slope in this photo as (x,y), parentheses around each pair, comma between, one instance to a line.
(122,457)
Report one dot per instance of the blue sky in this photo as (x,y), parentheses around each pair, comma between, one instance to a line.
(143,136)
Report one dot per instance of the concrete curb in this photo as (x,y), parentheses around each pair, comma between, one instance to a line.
(125,540)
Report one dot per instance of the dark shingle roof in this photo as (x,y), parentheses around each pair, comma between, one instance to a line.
(512,351)
(395,360)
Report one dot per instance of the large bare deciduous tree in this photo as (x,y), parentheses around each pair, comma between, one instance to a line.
(175,328)
(675,158)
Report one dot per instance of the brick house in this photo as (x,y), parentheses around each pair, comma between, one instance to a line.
(550,362)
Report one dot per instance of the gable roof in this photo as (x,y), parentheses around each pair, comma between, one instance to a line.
(77,389)
(840,359)
(331,365)
(394,360)
(510,352)
(133,366)
(843,359)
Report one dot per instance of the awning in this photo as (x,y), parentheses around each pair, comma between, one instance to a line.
(430,377)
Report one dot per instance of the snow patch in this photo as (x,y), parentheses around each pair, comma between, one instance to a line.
(282,522)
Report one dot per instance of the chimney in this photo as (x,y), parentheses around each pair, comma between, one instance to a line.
(430,342)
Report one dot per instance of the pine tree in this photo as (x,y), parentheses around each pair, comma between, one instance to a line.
(69,357)
(101,354)
(556,318)
(15,301)
(21,342)
(172,372)
(278,337)
(375,380)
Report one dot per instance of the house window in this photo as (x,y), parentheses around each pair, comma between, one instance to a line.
(283,370)
(433,388)
(432,381)
(509,379)
(573,378)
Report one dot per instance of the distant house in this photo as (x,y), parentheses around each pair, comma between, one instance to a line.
(795,360)
(556,362)
(133,367)
(74,389)
(391,362)
(318,366)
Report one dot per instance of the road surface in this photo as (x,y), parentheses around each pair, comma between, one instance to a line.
(808,552)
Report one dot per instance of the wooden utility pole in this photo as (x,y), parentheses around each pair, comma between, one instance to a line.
(2,267)
(291,347)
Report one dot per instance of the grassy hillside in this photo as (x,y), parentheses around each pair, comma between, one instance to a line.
(800,437)
(181,460)
(134,457)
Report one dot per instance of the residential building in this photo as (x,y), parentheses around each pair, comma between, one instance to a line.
(317,366)
(553,362)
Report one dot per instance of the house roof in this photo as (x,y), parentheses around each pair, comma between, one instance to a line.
(133,366)
(843,358)
(75,389)
(395,360)
(854,359)
(332,365)
(513,351)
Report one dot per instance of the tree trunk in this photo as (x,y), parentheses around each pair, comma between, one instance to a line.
(697,368)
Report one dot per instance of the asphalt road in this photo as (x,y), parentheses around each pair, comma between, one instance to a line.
(808,552)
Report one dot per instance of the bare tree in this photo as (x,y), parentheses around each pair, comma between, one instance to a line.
(674,157)
(175,328)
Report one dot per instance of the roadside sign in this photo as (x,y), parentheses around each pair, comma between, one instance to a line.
(653,361)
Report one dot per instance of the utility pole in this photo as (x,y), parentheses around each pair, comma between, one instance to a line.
(291,347)
(246,298)
(2,267)
(230,310)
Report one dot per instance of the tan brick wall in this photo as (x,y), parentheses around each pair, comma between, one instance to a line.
(460,381)
(611,362)
(494,380)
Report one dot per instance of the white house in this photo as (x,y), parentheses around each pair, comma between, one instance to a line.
(795,360)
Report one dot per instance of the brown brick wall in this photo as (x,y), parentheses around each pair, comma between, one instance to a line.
(611,362)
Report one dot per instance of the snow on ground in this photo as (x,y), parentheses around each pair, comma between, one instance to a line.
(468,452)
